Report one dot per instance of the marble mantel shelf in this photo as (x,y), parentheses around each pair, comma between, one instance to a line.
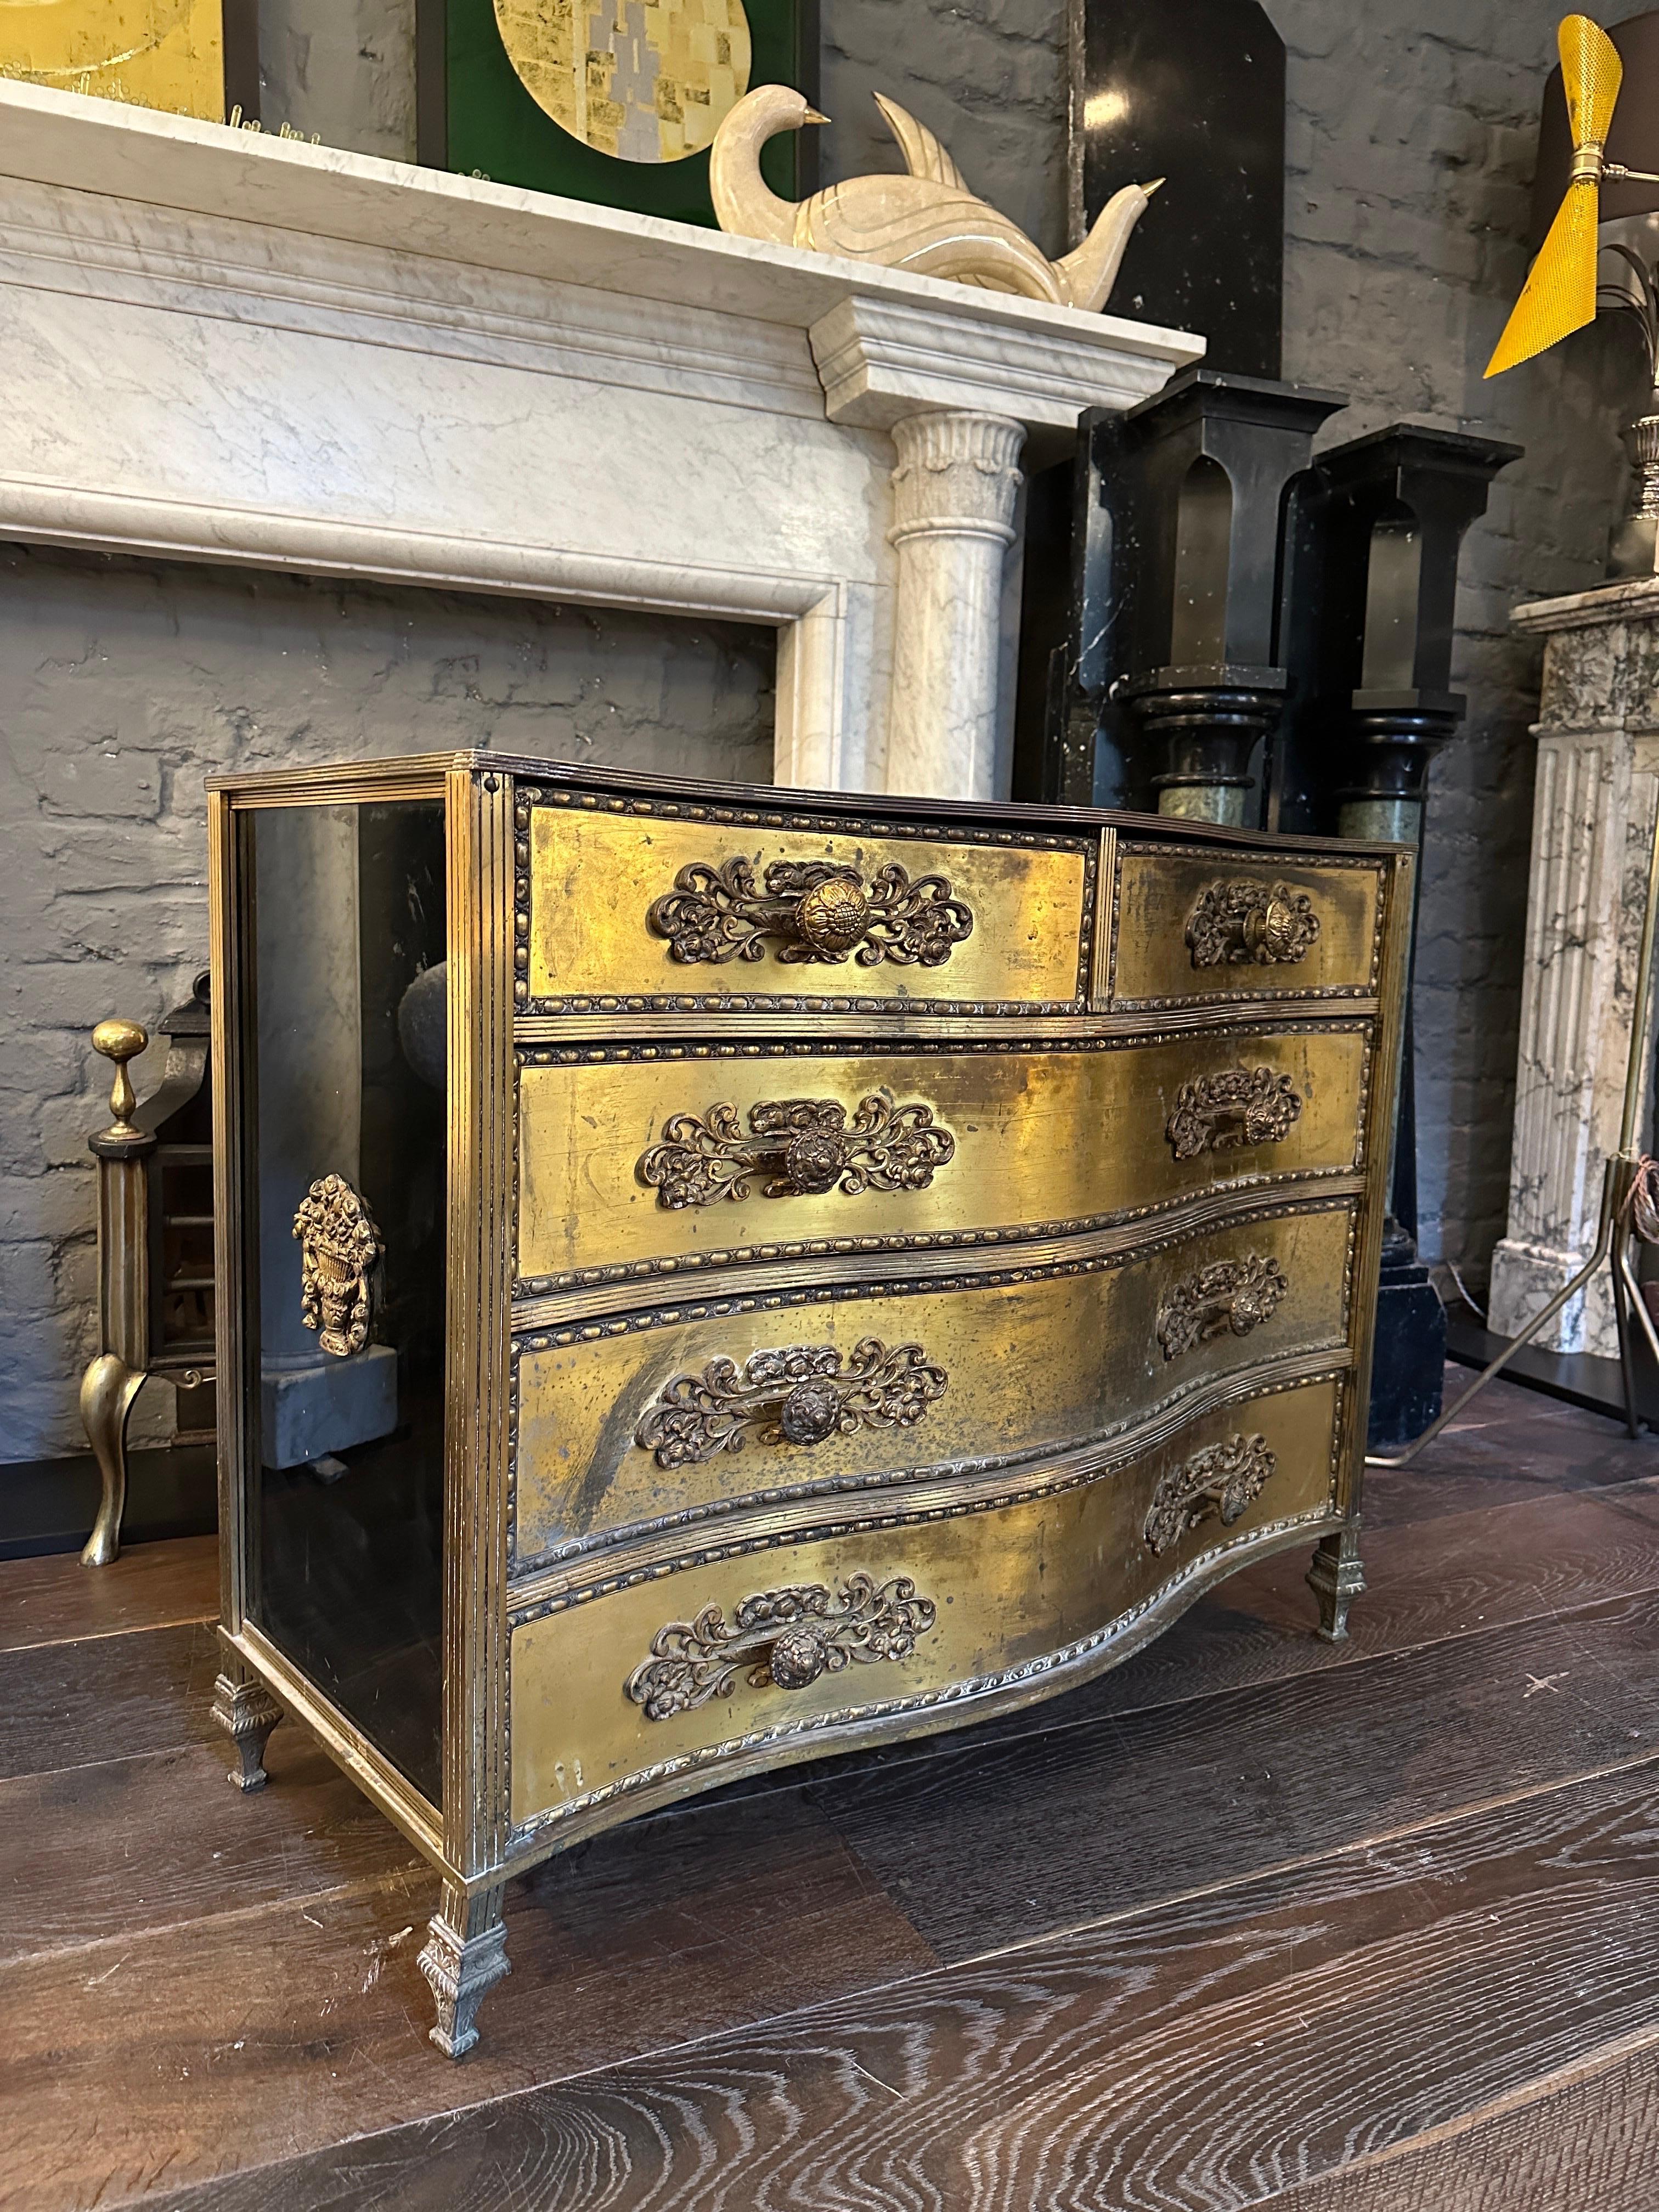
(223,346)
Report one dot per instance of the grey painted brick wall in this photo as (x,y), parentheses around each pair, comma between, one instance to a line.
(1410,145)
(122,684)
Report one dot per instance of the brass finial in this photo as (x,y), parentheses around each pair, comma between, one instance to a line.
(121,1041)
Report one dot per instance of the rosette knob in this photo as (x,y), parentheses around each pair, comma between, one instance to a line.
(811,1414)
(833,915)
(797,1657)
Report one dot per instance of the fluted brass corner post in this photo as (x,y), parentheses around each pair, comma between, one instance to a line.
(1195,481)
(114,1378)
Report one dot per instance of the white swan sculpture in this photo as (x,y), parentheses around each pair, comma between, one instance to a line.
(928,220)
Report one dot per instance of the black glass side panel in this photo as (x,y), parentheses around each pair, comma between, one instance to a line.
(347,1577)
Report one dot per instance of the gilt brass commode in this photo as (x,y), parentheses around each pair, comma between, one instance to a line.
(854,1264)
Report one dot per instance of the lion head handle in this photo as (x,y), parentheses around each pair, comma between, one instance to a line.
(340,1250)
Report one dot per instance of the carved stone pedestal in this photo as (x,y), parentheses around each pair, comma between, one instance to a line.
(1593,810)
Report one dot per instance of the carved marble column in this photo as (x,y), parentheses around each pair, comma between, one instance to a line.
(954,496)
(1593,810)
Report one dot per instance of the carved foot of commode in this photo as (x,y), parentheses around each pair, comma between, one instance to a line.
(247,1712)
(108,1390)
(1336,1579)
(464,1957)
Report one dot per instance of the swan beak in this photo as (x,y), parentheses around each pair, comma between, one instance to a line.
(1149,189)
(813,116)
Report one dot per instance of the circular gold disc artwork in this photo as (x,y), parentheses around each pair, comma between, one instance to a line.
(640,79)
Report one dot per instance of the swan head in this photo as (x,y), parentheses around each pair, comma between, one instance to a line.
(743,203)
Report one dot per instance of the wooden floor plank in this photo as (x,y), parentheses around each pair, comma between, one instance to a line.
(1586,2141)
(237,2039)
(127,1846)
(56,1600)
(70,1705)
(1201,2059)
(993,1841)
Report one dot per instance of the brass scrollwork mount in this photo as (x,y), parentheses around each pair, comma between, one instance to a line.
(822,912)
(1242,920)
(802,1393)
(1228,1297)
(1240,1106)
(807,1146)
(1221,1480)
(786,1639)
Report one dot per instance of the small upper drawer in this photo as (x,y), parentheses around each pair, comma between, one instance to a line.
(1206,926)
(632,910)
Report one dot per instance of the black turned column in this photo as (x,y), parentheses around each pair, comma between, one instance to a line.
(1194,483)
(1376,531)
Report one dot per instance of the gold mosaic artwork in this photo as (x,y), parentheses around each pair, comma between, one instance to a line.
(152,53)
(641,80)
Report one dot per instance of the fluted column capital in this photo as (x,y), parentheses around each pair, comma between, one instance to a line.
(958,474)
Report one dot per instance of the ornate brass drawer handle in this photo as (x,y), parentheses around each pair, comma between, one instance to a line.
(785,1638)
(1242,920)
(1221,1480)
(801,1395)
(1229,1296)
(1240,1106)
(805,1147)
(340,1253)
(820,910)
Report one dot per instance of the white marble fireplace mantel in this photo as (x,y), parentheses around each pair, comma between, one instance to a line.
(222,346)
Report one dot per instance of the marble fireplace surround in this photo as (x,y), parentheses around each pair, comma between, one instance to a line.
(225,347)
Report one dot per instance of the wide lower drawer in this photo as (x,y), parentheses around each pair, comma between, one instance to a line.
(621,907)
(1197,927)
(712,1663)
(682,1414)
(636,1161)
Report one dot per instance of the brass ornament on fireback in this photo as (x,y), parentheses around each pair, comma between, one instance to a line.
(1242,919)
(340,1250)
(820,909)
(804,1388)
(804,1145)
(785,1638)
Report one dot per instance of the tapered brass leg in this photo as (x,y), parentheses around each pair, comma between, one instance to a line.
(1336,1578)
(247,1712)
(108,1390)
(465,1956)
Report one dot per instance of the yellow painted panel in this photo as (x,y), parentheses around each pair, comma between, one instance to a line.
(152,53)
(1032,1366)
(1039,1136)
(1008,1586)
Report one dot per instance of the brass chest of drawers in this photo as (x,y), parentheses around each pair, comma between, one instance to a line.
(781,1271)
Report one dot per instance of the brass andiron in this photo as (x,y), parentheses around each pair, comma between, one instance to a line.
(154,1266)
(114,1378)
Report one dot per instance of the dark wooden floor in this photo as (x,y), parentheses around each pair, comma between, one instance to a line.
(1252,1921)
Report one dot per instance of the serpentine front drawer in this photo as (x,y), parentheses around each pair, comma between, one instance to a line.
(774,1271)
(644,908)
(1200,926)
(638,1162)
(731,1661)
(682,1414)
